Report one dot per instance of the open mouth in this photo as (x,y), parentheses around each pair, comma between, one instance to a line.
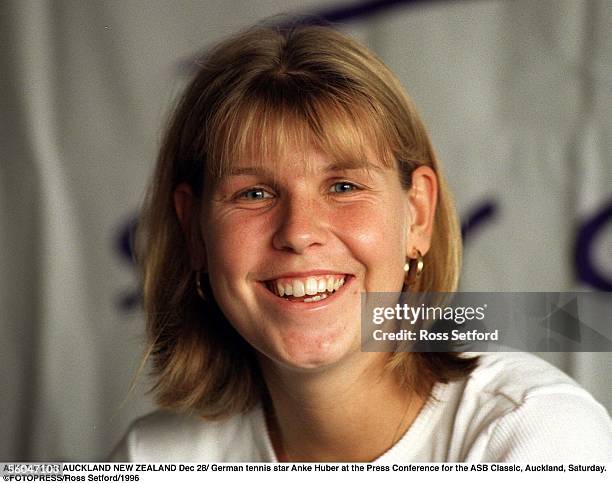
(307,289)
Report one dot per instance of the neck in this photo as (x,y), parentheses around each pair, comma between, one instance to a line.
(337,414)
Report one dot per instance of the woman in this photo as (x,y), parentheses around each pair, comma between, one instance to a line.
(295,175)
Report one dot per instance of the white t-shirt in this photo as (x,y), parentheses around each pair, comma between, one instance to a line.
(513,407)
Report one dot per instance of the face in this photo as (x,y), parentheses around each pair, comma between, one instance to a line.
(289,251)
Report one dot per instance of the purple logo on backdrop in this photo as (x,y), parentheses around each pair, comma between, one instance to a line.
(124,243)
(586,270)
(483,213)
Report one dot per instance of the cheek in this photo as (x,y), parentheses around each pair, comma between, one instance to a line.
(230,245)
(376,237)
(373,231)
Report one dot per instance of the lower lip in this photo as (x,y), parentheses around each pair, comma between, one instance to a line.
(319,304)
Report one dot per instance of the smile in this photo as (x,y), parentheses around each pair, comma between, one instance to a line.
(306,289)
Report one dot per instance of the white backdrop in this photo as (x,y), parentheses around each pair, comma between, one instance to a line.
(516,96)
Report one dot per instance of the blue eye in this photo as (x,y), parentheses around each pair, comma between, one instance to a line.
(343,187)
(254,194)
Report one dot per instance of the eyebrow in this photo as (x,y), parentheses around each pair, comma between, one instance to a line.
(338,166)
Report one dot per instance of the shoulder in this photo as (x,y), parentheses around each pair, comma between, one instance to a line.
(169,436)
(518,376)
(518,407)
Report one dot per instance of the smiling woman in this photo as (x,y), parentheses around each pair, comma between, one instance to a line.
(296,175)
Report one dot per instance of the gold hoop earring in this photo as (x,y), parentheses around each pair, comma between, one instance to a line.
(199,285)
(413,268)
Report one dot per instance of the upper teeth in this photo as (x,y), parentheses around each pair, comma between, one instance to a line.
(298,287)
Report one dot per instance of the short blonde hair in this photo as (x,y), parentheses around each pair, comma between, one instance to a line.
(257,94)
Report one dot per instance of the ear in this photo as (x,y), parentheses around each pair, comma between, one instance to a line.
(186,208)
(422,199)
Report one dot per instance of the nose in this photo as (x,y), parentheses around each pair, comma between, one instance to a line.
(301,224)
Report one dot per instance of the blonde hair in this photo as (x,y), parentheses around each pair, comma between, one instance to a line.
(257,94)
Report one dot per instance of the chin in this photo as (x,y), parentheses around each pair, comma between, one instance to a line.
(313,353)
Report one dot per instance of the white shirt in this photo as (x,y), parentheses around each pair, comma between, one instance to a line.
(513,407)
